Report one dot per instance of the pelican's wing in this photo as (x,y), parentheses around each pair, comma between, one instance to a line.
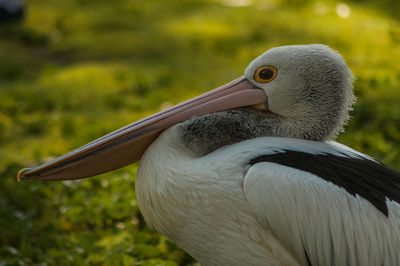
(328,204)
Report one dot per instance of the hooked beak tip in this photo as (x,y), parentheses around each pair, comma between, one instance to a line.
(21,175)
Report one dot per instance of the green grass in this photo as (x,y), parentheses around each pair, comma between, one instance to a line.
(75,70)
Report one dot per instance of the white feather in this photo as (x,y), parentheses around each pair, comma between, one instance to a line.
(224,212)
(308,213)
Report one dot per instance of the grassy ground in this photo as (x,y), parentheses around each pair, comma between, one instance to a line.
(75,70)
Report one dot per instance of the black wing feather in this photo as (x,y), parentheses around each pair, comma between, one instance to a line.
(367,178)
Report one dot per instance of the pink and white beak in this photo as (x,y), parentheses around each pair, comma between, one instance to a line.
(127,145)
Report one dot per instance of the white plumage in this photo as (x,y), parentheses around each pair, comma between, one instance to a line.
(223,211)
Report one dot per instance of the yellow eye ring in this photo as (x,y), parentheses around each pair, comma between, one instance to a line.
(265,74)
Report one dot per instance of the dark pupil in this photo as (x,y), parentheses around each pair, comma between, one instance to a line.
(266,73)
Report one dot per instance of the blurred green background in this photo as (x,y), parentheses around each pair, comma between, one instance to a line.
(74,70)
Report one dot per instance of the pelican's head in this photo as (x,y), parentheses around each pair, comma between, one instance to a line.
(308,86)
(309,95)
(305,92)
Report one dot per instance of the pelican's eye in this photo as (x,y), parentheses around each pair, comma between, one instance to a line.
(265,74)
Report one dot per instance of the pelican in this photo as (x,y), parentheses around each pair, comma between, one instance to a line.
(249,174)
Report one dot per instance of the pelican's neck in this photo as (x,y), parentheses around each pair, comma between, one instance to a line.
(204,134)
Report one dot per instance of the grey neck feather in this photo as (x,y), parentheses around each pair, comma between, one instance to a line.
(204,134)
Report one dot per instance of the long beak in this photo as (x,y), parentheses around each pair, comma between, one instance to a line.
(127,145)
